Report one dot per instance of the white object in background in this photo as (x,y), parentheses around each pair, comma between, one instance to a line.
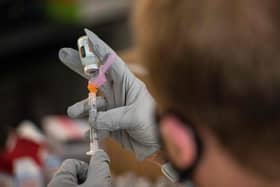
(28,130)
(28,173)
(62,128)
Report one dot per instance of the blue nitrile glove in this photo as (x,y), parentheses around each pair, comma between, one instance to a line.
(76,173)
(129,106)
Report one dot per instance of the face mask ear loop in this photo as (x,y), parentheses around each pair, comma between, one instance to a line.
(185,174)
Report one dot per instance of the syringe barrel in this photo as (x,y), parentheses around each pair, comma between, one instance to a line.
(92,118)
(92,107)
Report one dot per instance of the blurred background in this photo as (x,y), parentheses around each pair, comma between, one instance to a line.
(36,89)
(33,82)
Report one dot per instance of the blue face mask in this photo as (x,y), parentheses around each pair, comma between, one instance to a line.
(184,175)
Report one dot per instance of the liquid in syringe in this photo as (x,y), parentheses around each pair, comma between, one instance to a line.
(92,118)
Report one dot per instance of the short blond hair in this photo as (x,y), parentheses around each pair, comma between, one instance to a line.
(218,62)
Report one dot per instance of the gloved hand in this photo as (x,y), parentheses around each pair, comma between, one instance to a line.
(130,107)
(76,173)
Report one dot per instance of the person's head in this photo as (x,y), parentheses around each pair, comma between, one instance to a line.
(217,63)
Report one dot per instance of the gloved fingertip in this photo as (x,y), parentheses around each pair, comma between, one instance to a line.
(86,30)
(71,113)
(62,54)
(90,34)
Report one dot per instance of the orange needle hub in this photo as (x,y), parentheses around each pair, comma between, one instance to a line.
(92,88)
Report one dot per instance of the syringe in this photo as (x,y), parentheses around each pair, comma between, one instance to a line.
(96,71)
(93,138)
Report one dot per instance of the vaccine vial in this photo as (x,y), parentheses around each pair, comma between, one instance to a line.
(89,59)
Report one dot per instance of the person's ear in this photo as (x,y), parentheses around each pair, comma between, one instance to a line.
(179,141)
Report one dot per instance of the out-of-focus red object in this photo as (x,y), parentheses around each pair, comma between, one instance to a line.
(18,148)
